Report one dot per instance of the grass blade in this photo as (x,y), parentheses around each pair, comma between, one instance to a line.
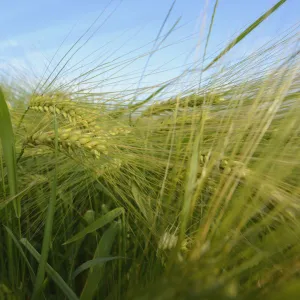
(155,93)
(99,223)
(245,33)
(21,251)
(96,274)
(92,263)
(51,272)
(48,227)
(9,151)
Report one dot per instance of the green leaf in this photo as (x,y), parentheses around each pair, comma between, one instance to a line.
(22,252)
(92,263)
(51,272)
(99,223)
(9,152)
(6,293)
(245,33)
(103,250)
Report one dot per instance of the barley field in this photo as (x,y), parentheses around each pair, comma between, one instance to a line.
(159,192)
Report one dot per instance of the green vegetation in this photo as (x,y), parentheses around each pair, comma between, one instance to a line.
(192,196)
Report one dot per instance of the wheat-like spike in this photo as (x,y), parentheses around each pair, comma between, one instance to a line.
(64,107)
(188,101)
(227,167)
(75,115)
(71,140)
(111,166)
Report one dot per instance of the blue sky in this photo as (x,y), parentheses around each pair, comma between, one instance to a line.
(32,32)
